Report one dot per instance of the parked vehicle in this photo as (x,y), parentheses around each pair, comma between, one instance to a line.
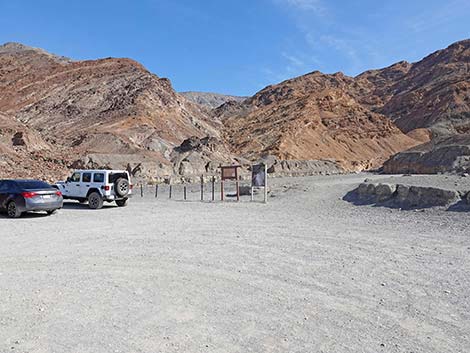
(19,196)
(97,187)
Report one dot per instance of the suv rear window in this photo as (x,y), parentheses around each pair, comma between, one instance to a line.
(98,177)
(86,177)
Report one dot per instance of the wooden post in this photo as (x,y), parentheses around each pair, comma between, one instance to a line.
(238,189)
(156,191)
(265,183)
(184,191)
(213,188)
(202,187)
(141,190)
(170,191)
(252,196)
(221,190)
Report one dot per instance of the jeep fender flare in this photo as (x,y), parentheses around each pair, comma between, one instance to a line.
(93,190)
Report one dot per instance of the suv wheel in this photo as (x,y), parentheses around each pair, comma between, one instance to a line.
(12,210)
(121,187)
(95,201)
(122,203)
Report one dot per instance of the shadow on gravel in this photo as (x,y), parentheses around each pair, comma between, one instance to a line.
(83,206)
(29,215)
(460,206)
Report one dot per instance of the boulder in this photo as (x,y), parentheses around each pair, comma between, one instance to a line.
(384,192)
(424,197)
(402,192)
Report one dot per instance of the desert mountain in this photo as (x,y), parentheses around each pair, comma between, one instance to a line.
(315,116)
(99,112)
(211,100)
(57,114)
(359,121)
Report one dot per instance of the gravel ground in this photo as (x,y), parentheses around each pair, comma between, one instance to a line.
(307,272)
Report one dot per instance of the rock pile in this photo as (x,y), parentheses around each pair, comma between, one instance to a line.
(405,197)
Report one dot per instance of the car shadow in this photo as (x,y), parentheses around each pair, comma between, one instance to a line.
(83,206)
(27,215)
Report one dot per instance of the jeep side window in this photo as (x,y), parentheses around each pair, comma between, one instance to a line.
(75,178)
(86,177)
(98,177)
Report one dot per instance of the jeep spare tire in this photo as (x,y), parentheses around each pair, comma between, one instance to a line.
(121,187)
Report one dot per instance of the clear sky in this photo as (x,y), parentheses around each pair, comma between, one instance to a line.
(238,46)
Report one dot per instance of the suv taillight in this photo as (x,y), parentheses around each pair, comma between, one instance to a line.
(131,186)
(107,188)
(58,193)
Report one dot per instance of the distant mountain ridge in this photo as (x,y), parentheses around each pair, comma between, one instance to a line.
(115,113)
(211,100)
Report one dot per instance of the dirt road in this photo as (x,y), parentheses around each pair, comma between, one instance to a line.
(308,272)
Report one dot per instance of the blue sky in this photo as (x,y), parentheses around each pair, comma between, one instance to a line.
(238,46)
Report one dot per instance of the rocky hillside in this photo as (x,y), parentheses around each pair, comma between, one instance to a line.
(211,100)
(112,110)
(315,116)
(57,114)
(434,94)
(359,121)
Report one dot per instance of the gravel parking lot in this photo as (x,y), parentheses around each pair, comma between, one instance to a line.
(308,272)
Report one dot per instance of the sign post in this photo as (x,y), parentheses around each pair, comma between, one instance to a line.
(229,173)
(259,179)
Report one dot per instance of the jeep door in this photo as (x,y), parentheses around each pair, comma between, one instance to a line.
(85,185)
(98,181)
(72,186)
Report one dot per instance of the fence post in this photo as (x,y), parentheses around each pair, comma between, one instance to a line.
(141,190)
(265,183)
(156,191)
(170,192)
(213,188)
(222,190)
(202,187)
(184,190)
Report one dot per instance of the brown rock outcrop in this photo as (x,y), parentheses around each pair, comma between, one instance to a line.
(312,117)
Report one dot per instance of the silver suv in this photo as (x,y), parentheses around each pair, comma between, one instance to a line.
(97,187)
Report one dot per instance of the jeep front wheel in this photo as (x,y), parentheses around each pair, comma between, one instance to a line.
(95,201)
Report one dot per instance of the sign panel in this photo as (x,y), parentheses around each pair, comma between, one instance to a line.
(258,175)
(229,173)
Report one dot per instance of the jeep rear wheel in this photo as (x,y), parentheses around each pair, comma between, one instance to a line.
(121,187)
(95,201)
(122,203)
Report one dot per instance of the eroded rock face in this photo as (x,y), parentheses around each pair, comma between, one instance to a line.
(451,155)
(312,117)
(108,107)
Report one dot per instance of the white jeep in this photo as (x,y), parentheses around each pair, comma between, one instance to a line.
(97,186)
